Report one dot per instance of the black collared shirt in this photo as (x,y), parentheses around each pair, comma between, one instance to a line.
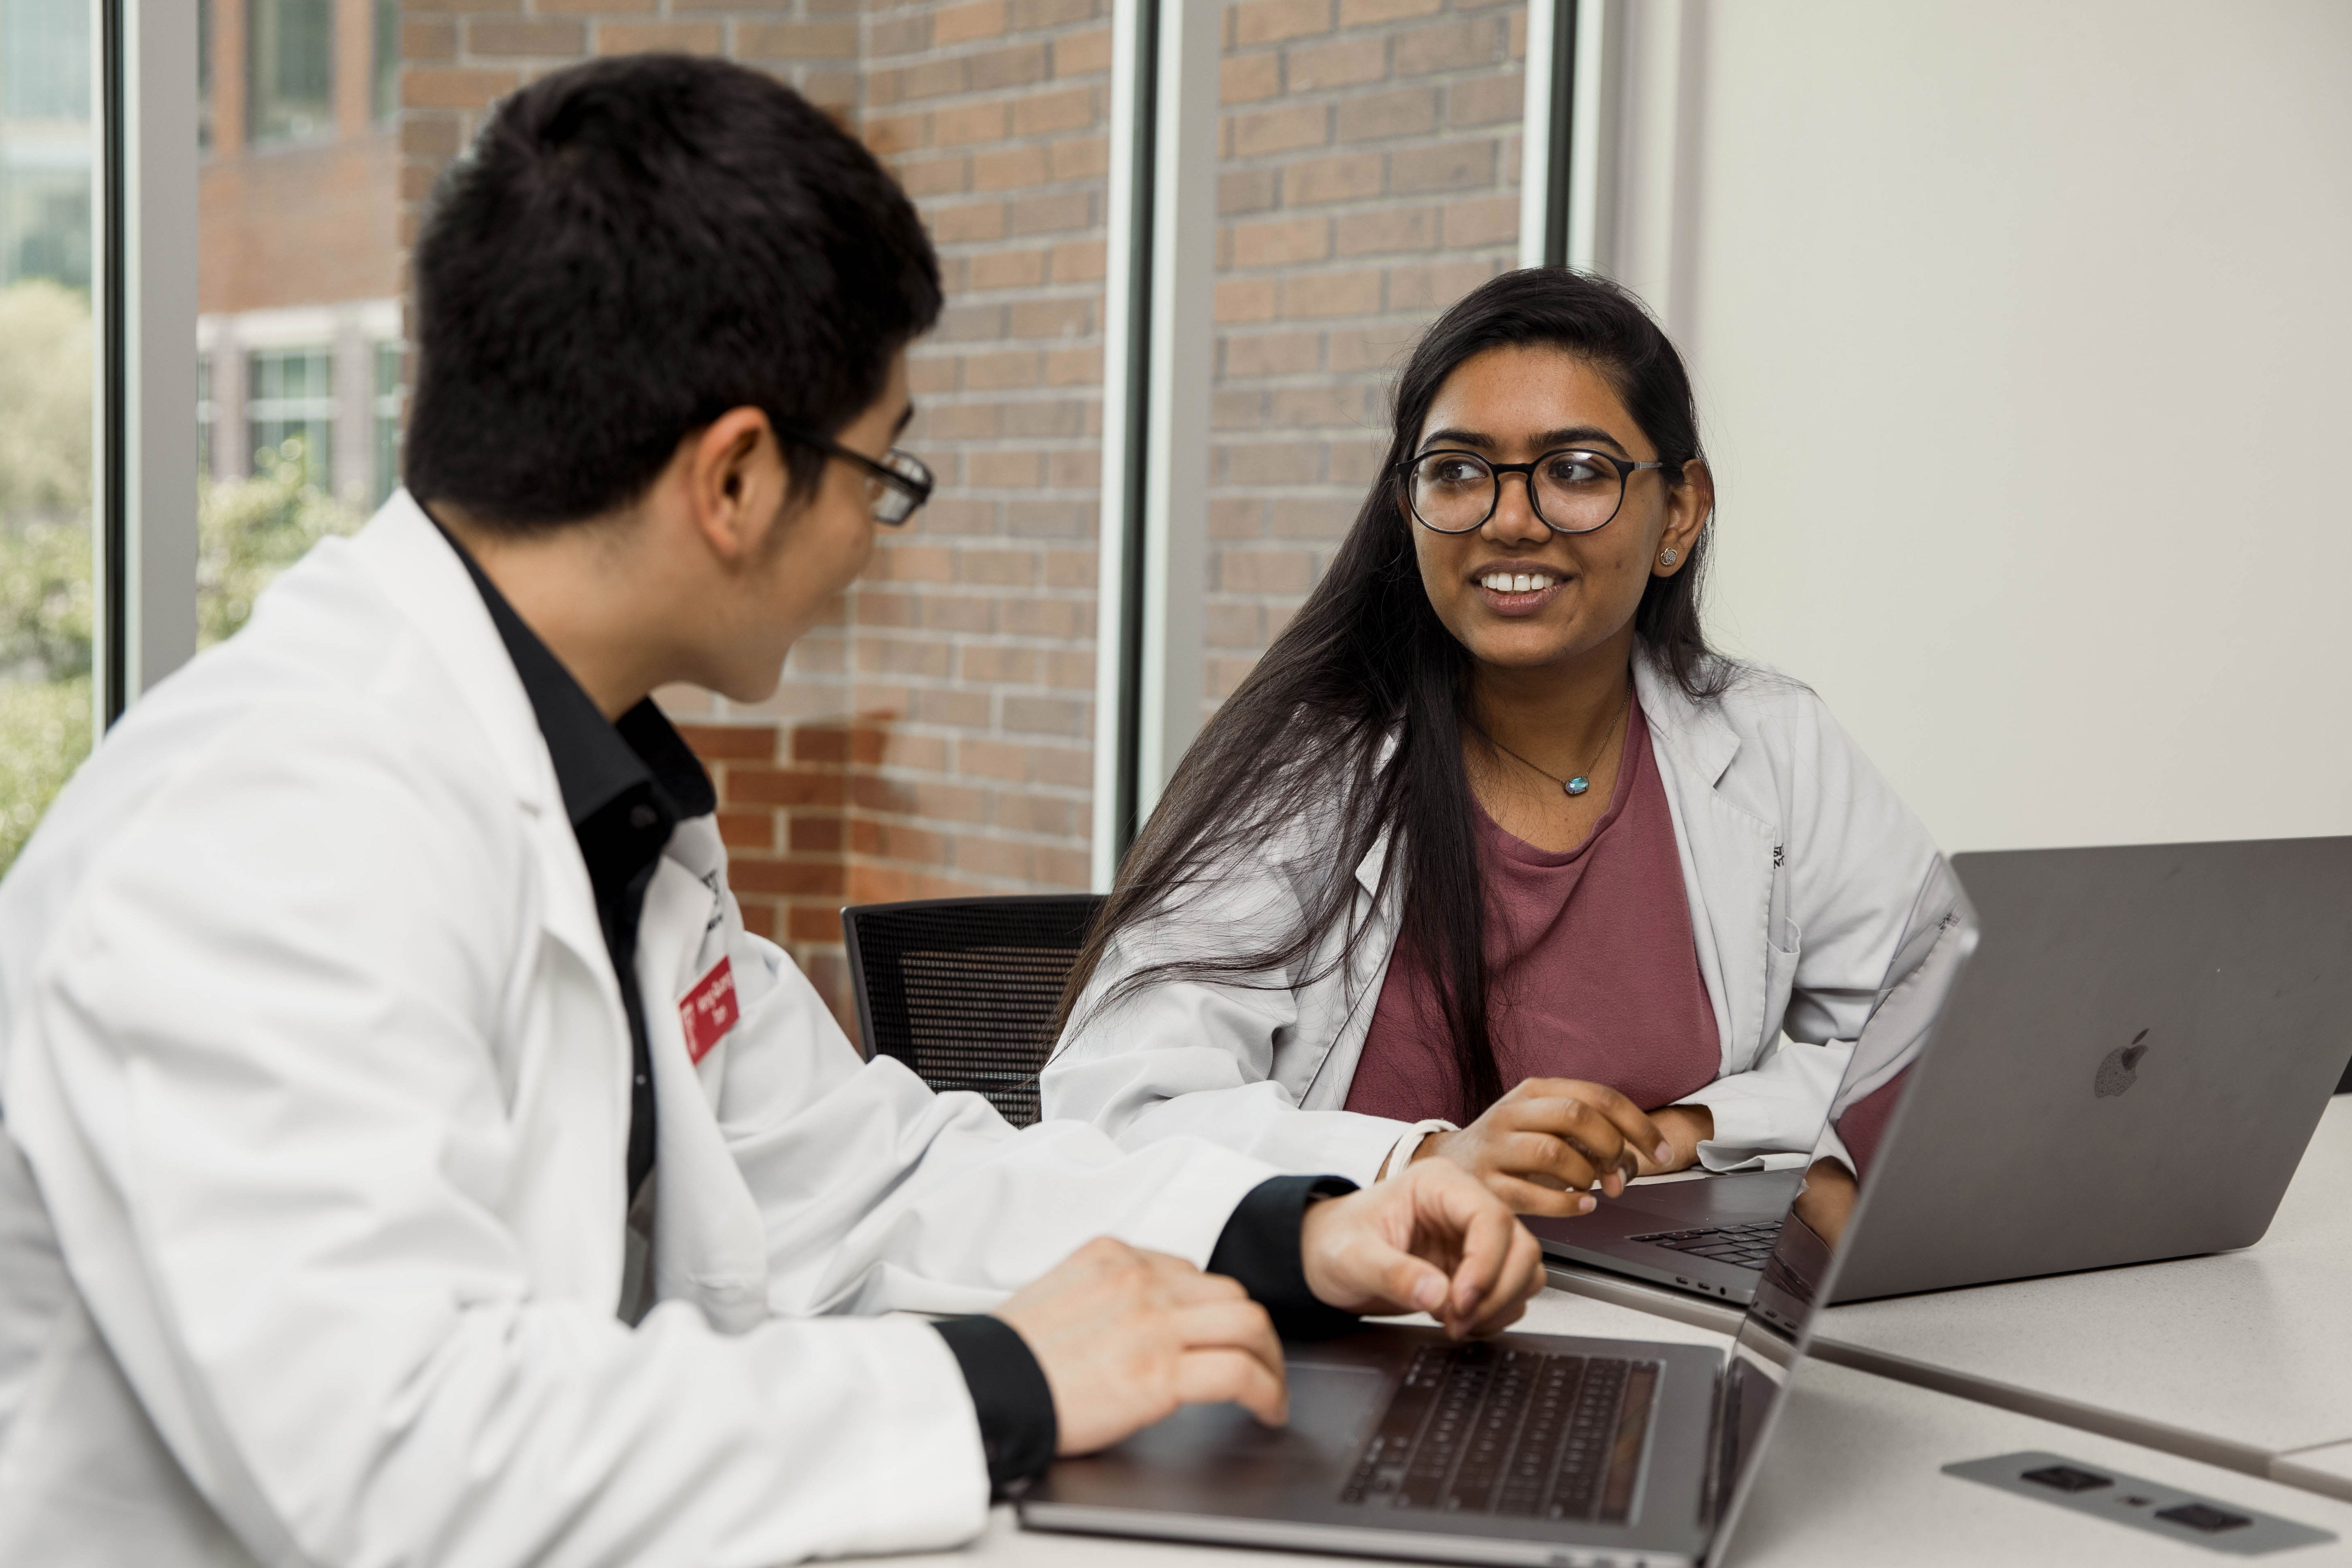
(625,786)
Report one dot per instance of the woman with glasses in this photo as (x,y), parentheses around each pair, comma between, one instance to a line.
(1493,860)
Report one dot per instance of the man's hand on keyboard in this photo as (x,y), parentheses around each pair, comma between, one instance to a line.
(1124,1336)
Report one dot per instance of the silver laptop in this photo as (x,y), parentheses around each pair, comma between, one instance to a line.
(2128,1005)
(2131,1012)
(1527,1448)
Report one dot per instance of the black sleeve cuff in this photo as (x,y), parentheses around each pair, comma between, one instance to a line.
(1259,1248)
(1009,1391)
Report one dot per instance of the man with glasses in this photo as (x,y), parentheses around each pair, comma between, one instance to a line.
(409,1157)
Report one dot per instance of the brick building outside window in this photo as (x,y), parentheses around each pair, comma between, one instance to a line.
(299,261)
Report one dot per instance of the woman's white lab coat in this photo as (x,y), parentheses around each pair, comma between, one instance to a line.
(316,1094)
(1813,893)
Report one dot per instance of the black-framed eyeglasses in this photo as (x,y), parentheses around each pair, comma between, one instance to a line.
(894,486)
(1571,489)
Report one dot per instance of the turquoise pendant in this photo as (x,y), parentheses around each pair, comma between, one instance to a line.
(1578,784)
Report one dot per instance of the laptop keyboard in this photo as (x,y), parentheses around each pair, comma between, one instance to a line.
(1479,1428)
(1741,1245)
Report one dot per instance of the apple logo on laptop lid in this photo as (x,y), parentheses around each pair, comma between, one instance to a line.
(2119,1068)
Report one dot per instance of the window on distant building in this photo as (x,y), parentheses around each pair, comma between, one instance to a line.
(387,420)
(206,414)
(291,68)
(205,73)
(387,57)
(290,411)
(45,217)
(44,60)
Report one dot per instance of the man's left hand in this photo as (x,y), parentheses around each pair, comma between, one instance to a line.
(1431,1240)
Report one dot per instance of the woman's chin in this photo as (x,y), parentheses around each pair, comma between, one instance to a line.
(1523,647)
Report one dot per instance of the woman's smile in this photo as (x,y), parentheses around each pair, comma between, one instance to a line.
(1518,589)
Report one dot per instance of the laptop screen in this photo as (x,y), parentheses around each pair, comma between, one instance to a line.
(1800,1272)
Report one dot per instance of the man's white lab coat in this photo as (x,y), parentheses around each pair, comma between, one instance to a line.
(1814,893)
(316,1096)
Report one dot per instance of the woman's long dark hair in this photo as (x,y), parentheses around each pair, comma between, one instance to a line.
(1367,658)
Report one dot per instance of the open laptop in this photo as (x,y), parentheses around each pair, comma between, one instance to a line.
(2128,1005)
(1527,1448)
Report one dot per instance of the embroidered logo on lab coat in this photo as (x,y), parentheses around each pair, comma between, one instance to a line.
(709,1010)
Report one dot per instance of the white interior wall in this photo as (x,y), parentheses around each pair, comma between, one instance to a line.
(2021,333)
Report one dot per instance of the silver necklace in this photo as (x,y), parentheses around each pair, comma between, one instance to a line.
(1577,782)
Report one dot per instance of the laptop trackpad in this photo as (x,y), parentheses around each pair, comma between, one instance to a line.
(1218,1459)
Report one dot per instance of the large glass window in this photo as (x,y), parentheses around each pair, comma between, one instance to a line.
(47,364)
(298,284)
(291,80)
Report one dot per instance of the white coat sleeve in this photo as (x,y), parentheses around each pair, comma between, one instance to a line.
(1867,894)
(1196,1056)
(880,1195)
(255,1078)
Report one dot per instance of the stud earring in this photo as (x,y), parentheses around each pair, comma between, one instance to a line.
(1668,557)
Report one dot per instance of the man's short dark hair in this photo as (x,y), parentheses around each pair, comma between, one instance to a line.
(631,248)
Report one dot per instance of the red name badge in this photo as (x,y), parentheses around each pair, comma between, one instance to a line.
(709,1010)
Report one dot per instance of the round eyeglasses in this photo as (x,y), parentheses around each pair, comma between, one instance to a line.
(895,485)
(1572,491)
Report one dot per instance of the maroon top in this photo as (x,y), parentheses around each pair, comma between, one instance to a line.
(1592,972)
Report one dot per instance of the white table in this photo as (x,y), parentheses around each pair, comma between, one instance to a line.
(2328,1469)
(2243,1359)
(1853,1476)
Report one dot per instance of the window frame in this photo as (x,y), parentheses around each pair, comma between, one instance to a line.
(144,513)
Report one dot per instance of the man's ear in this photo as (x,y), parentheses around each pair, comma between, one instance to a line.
(735,480)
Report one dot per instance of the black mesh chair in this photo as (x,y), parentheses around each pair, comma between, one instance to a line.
(963,990)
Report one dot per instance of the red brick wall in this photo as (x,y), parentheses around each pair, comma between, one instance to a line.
(459,56)
(972,638)
(934,737)
(1369,179)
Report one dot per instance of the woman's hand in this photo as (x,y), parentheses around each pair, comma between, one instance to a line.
(1430,1240)
(1541,1146)
(1826,1200)
(1685,1127)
